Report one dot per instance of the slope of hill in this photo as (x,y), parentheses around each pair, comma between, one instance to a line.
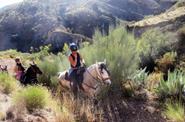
(29,23)
(170,21)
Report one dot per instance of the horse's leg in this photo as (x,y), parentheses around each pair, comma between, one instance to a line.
(73,79)
(74,86)
(74,89)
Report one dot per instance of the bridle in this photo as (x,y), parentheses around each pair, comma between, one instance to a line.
(31,78)
(98,79)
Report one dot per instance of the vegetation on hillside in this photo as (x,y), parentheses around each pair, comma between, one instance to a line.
(123,53)
(174,111)
(7,83)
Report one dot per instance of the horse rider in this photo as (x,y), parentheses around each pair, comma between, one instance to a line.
(76,61)
(19,69)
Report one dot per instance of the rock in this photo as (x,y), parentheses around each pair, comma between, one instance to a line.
(133,112)
(10,115)
(150,109)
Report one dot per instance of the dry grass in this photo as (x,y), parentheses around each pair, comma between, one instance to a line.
(174,111)
(78,110)
(153,80)
(2,115)
(8,84)
(164,17)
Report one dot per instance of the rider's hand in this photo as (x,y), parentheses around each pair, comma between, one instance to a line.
(83,61)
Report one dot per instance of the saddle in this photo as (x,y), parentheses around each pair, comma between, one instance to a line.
(80,72)
(66,77)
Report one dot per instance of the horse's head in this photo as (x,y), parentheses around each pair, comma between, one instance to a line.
(3,68)
(103,73)
(35,69)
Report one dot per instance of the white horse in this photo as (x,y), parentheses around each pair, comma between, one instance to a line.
(94,76)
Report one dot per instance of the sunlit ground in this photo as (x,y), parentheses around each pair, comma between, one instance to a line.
(4,3)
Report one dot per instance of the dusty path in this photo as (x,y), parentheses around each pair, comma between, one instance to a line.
(144,108)
(130,111)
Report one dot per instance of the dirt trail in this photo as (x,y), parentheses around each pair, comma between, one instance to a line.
(134,111)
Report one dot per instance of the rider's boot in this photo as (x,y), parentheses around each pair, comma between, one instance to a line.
(81,87)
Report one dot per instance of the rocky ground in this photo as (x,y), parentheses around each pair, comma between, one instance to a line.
(142,108)
(11,113)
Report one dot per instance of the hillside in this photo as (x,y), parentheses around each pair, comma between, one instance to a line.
(32,23)
(169,21)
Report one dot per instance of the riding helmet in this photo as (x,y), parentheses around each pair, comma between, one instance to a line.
(73,47)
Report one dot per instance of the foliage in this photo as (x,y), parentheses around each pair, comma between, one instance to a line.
(151,41)
(139,78)
(153,80)
(181,42)
(119,49)
(173,86)
(7,83)
(174,111)
(44,51)
(152,44)
(84,109)
(34,97)
(168,58)
(51,66)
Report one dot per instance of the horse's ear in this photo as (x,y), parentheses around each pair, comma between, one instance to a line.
(33,62)
(105,61)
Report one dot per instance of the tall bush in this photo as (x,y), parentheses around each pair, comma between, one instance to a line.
(119,49)
(7,83)
(152,45)
(33,97)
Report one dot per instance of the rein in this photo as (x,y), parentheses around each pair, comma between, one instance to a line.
(96,79)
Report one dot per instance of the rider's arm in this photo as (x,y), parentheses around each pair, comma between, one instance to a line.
(73,62)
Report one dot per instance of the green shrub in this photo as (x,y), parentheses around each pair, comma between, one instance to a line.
(119,49)
(153,80)
(181,43)
(139,78)
(174,111)
(168,58)
(33,97)
(50,67)
(173,86)
(7,83)
(151,42)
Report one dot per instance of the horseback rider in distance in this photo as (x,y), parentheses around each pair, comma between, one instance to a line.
(76,61)
(19,69)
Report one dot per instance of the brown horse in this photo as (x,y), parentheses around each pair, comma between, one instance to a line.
(3,68)
(94,76)
(30,76)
